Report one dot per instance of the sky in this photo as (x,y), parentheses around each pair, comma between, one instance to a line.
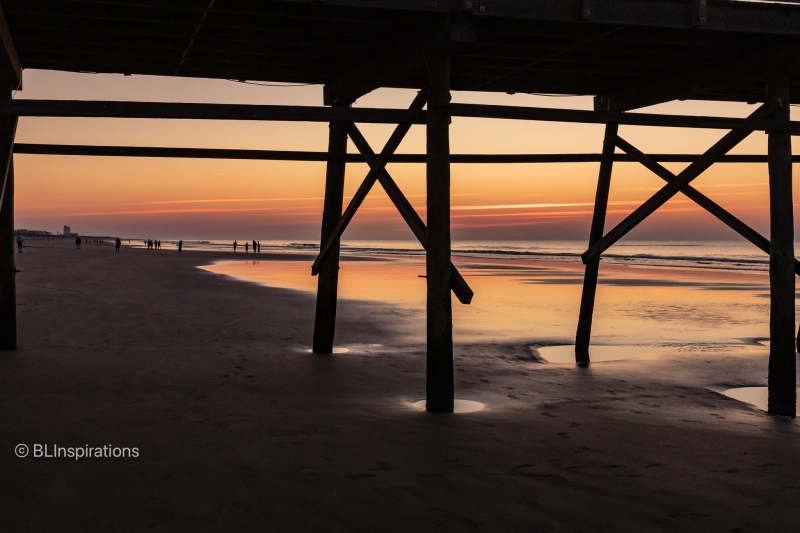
(164,199)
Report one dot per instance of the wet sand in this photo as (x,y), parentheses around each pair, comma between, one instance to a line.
(240,429)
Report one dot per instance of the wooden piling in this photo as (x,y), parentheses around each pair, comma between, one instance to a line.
(439,306)
(782,357)
(328,279)
(584,333)
(8,290)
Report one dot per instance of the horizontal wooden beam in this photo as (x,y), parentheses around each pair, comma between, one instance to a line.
(605,117)
(169,110)
(288,155)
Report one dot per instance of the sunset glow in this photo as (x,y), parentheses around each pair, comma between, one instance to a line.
(224,199)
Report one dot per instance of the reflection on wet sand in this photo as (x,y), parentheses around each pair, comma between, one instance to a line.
(756,396)
(459,406)
(565,354)
(638,309)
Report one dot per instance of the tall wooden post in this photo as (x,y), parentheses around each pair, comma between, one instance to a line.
(8,295)
(584,334)
(782,358)
(328,282)
(439,306)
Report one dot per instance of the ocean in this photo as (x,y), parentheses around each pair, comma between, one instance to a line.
(653,299)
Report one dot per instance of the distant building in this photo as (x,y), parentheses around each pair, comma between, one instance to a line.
(67,230)
(33,233)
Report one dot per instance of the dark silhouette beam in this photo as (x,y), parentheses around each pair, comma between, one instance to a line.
(684,86)
(782,379)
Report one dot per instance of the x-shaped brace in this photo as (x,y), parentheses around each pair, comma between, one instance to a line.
(676,184)
(378,172)
(701,199)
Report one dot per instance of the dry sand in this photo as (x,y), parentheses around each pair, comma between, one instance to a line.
(240,430)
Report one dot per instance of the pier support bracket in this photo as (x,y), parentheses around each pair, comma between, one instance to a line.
(598,243)
(379,173)
(724,216)
(673,187)
(457,282)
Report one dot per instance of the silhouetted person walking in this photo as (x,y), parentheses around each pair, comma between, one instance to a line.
(118,243)
(246,245)
(19,242)
(78,242)
(259,246)
(180,246)
(234,246)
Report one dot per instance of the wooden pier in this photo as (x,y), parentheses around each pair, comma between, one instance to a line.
(628,54)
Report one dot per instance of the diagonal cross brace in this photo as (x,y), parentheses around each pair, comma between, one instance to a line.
(457,282)
(674,186)
(363,190)
(378,172)
(6,139)
(701,199)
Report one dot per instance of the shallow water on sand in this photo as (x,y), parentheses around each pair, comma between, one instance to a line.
(756,396)
(534,301)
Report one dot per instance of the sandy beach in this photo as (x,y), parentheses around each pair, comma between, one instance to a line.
(239,429)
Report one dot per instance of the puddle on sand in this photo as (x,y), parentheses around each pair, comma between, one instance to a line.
(756,396)
(459,406)
(335,350)
(565,354)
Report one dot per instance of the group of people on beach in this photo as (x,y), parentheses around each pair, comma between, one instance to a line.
(152,245)
(256,246)
(79,241)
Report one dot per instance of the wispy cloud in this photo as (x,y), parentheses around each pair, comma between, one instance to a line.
(143,212)
(542,206)
(224,200)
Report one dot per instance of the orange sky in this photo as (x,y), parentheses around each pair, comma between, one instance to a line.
(222,199)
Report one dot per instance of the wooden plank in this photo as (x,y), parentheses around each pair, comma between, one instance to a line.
(782,379)
(439,386)
(672,188)
(169,110)
(752,123)
(457,282)
(584,333)
(290,155)
(328,280)
(391,145)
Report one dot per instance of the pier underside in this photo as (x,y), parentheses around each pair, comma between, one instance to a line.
(628,54)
